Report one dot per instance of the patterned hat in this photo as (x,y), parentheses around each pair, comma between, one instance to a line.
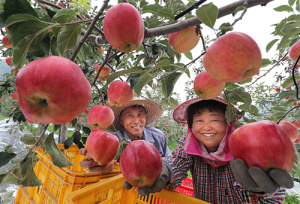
(153,112)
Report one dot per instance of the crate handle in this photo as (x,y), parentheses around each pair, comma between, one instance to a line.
(109,197)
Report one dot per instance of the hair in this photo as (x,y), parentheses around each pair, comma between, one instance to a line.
(196,108)
(133,106)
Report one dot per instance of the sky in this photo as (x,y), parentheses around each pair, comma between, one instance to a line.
(257,23)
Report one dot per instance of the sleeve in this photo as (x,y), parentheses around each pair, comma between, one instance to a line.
(180,163)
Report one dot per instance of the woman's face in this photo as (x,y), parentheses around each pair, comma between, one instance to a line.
(209,128)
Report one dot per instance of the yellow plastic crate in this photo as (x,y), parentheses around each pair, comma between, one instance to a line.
(111,191)
(59,182)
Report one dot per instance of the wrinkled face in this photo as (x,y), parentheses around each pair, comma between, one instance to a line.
(210,128)
(134,120)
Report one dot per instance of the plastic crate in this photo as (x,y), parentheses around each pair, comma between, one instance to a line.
(112,191)
(186,187)
(59,182)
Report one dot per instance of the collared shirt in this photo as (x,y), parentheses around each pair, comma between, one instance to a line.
(152,135)
(216,185)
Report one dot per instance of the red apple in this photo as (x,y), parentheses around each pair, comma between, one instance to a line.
(14,72)
(294,52)
(14,96)
(233,57)
(123,27)
(86,110)
(140,163)
(285,58)
(290,129)
(277,89)
(52,90)
(8,61)
(268,116)
(207,87)
(273,102)
(185,40)
(297,141)
(286,97)
(102,147)
(100,50)
(6,29)
(61,4)
(297,124)
(6,43)
(263,144)
(295,103)
(119,93)
(104,74)
(100,117)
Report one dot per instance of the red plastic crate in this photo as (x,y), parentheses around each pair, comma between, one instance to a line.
(186,187)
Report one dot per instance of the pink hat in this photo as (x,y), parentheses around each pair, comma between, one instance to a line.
(180,113)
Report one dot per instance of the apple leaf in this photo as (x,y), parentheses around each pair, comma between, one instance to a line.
(152,8)
(253,109)
(208,14)
(173,102)
(239,95)
(189,55)
(29,139)
(287,93)
(265,62)
(165,12)
(17,18)
(68,38)
(239,8)
(53,46)
(270,44)
(297,160)
(62,16)
(230,114)
(68,142)
(290,82)
(2,176)
(14,177)
(86,130)
(170,83)
(115,75)
(20,6)
(284,8)
(134,80)
(56,155)
(7,196)
(123,143)
(5,157)
(28,174)
(143,81)
(291,2)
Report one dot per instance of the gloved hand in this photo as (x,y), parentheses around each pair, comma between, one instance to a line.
(256,180)
(161,181)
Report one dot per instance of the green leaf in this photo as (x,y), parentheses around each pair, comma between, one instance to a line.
(291,2)
(297,115)
(121,73)
(77,137)
(7,196)
(270,44)
(29,139)
(122,145)
(287,93)
(173,103)
(53,46)
(239,8)
(68,38)
(2,176)
(62,16)
(239,95)
(208,14)
(143,81)
(230,114)
(86,130)
(278,114)
(284,8)
(20,6)
(134,80)
(28,174)
(17,18)
(265,62)
(152,8)
(165,12)
(68,142)
(170,83)
(57,156)
(13,177)
(56,127)
(5,157)
(189,55)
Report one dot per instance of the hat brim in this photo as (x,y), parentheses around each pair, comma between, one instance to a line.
(180,113)
(153,112)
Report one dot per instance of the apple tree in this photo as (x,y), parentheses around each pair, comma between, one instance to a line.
(75,30)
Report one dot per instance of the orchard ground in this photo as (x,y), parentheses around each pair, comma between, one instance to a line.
(172,131)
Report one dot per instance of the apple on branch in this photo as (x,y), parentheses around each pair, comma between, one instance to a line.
(233,57)
(123,27)
(6,43)
(52,90)
(104,74)
(206,87)
(294,51)
(100,117)
(119,93)
(61,4)
(14,72)
(277,89)
(8,61)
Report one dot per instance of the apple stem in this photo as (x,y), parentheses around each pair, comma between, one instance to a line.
(43,102)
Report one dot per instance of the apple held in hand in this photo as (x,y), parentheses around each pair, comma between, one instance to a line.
(102,147)
(206,87)
(119,93)
(233,57)
(263,144)
(140,163)
(185,40)
(290,129)
(123,27)
(52,90)
(6,43)
(100,117)
(104,74)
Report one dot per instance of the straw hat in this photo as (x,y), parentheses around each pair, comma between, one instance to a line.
(180,113)
(153,112)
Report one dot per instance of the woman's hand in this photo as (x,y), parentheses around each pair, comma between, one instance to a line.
(93,166)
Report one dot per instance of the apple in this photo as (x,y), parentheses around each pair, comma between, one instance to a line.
(297,141)
(100,50)
(123,27)
(294,52)
(286,97)
(297,124)
(263,144)
(14,96)
(52,90)
(295,103)
(6,43)
(104,74)
(86,110)
(185,40)
(119,93)
(233,57)
(290,129)
(273,102)
(102,147)
(268,116)
(14,72)
(285,58)
(140,163)
(206,87)
(288,88)
(100,117)
(61,4)
(277,89)
(8,61)
(6,29)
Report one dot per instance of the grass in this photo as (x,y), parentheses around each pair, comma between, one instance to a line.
(291,199)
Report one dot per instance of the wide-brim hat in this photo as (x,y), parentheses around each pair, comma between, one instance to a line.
(153,112)
(180,113)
